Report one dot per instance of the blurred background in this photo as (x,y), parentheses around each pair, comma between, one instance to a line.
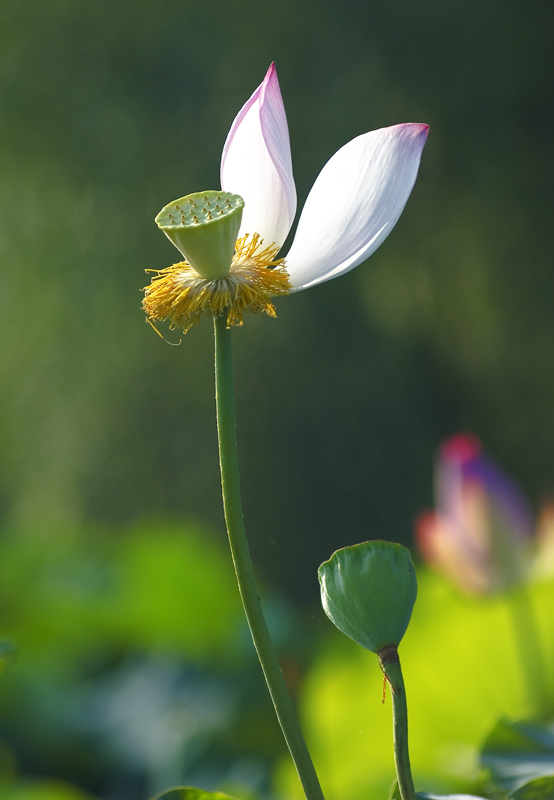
(132,668)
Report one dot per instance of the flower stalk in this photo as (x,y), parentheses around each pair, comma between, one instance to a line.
(232,504)
(390,664)
(528,645)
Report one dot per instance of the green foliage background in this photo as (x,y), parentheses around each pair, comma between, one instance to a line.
(110,110)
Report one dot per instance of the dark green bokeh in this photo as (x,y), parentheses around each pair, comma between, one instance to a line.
(111,110)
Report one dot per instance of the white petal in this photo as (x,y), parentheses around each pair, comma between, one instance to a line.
(256,163)
(354,203)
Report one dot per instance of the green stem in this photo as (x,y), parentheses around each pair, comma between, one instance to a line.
(390,664)
(232,504)
(529,648)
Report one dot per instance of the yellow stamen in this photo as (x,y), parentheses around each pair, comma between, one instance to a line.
(178,293)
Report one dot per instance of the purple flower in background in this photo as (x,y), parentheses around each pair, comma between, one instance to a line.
(481,533)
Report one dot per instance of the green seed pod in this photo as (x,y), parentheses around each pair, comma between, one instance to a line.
(204,227)
(368,591)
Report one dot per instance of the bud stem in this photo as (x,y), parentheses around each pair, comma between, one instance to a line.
(390,664)
(232,504)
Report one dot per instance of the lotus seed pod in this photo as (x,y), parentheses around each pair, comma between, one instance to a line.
(368,591)
(204,227)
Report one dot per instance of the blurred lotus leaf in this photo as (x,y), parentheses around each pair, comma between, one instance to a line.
(190,793)
(426,796)
(539,789)
(42,790)
(519,752)
(395,795)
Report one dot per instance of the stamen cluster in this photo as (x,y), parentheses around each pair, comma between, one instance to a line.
(181,296)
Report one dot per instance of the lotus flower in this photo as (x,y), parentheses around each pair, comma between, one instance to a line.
(352,207)
(481,534)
